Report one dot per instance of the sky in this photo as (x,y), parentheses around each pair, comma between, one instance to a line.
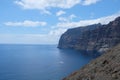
(43,21)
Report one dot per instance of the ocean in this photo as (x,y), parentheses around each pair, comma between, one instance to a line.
(39,62)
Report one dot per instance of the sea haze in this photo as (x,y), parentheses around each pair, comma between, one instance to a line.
(39,62)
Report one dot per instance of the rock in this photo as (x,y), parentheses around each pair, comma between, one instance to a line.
(94,38)
(105,67)
(71,36)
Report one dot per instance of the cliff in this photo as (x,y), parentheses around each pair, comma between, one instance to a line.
(94,38)
(71,36)
(106,67)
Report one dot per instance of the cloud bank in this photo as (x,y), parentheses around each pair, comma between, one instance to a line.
(68,23)
(45,5)
(26,23)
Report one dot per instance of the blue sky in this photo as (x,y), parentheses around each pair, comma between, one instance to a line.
(43,21)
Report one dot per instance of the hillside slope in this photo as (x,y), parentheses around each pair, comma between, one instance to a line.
(106,67)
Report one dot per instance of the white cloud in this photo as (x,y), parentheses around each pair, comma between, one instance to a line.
(102,20)
(67,19)
(72,16)
(59,13)
(89,2)
(26,23)
(45,5)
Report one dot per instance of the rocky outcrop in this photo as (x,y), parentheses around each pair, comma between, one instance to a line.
(99,38)
(106,67)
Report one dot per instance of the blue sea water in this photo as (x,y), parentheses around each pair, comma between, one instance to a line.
(39,62)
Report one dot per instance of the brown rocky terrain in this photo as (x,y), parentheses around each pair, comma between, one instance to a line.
(106,67)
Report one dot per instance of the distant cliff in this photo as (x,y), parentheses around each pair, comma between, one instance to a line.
(106,67)
(70,38)
(93,38)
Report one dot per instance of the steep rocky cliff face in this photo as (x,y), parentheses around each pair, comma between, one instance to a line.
(70,38)
(106,67)
(100,38)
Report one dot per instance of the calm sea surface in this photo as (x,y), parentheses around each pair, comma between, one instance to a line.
(39,62)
